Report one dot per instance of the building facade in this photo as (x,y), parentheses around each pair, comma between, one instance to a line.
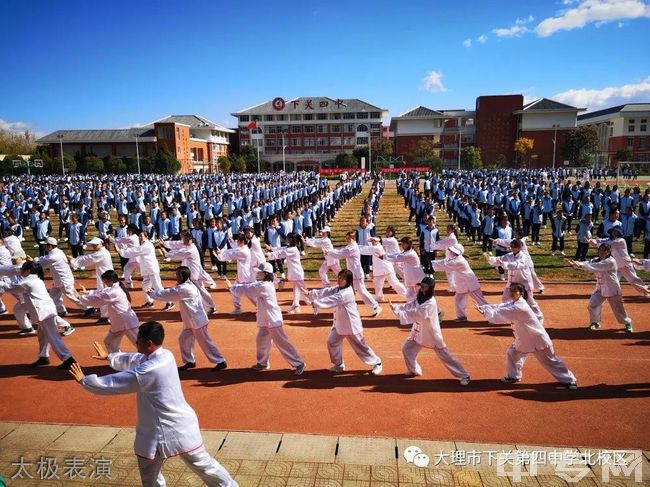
(623,127)
(196,142)
(449,131)
(308,132)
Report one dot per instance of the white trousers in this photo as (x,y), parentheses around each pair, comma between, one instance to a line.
(411,349)
(186,341)
(515,362)
(20,313)
(322,271)
(207,300)
(103,310)
(539,286)
(112,340)
(129,269)
(276,335)
(360,287)
(358,344)
(59,291)
(378,281)
(595,307)
(505,297)
(48,337)
(151,281)
(299,290)
(199,461)
(629,273)
(460,301)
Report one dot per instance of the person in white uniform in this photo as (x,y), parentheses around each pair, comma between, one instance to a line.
(242,255)
(270,329)
(167,426)
(122,243)
(185,252)
(410,261)
(42,311)
(12,273)
(382,270)
(607,288)
(425,332)
(121,317)
(347,323)
(444,244)
(530,337)
(100,259)
(5,259)
(329,263)
(465,281)
(352,255)
(391,246)
(295,273)
(254,243)
(144,256)
(195,320)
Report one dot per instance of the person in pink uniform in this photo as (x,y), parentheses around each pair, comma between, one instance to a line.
(425,332)
(194,318)
(382,270)
(295,273)
(465,281)
(347,323)
(410,260)
(530,338)
(607,288)
(121,318)
(270,329)
(351,254)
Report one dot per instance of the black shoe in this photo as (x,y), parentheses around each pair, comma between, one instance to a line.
(187,366)
(90,312)
(169,306)
(40,361)
(220,366)
(101,321)
(147,305)
(66,365)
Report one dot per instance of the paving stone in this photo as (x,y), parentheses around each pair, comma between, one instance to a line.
(356,472)
(213,440)
(428,447)
(300,482)
(6,428)
(122,442)
(411,475)
(30,436)
(493,480)
(438,476)
(465,478)
(366,451)
(597,469)
(304,469)
(84,438)
(330,471)
(268,481)
(248,480)
(327,483)
(252,467)
(307,448)
(383,473)
(356,483)
(278,468)
(250,446)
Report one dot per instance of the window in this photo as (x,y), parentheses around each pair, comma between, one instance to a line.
(348,141)
(295,117)
(630,125)
(296,129)
(335,140)
(375,115)
(255,118)
(282,117)
(270,130)
(642,145)
(309,129)
(321,116)
(611,131)
(164,132)
(362,140)
(362,115)
(348,116)
(309,116)
(268,118)
(349,127)
(322,141)
(335,128)
(270,142)
(336,116)
(294,142)
(321,129)
(244,118)
(362,128)
(375,127)
(630,142)
(644,125)
(308,142)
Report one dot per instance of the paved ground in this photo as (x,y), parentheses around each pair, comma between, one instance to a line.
(54,455)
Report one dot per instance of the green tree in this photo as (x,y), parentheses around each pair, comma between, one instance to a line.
(470,158)
(238,164)
(7,165)
(93,165)
(223,164)
(164,162)
(114,165)
(382,147)
(17,143)
(425,153)
(623,155)
(581,145)
(52,165)
(346,161)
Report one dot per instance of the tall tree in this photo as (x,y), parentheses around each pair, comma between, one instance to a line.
(523,146)
(623,155)
(470,158)
(581,145)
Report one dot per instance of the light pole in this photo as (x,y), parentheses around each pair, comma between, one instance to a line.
(60,137)
(284,160)
(137,152)
(460,136)
(555,127)
(369,150)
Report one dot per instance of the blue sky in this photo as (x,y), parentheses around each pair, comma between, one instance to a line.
(118,63)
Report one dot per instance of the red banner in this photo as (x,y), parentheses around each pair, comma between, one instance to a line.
(407,169)
(339,171)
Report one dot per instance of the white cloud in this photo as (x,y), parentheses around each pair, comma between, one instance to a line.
(589,11)
(14,126)
(433,82)
(482,39)
(620,24)
(594,99)
(517,30)
(467,43)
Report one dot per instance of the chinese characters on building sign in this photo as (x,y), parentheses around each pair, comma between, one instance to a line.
(307,103)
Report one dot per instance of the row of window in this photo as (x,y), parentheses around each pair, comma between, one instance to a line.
(311,129)
(642,143)
(312,142)
(311,116)
(643,125)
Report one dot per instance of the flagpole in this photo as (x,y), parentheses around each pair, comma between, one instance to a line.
(258,151)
